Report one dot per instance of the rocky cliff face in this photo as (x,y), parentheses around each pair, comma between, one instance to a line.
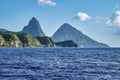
(34,28)
(67,32)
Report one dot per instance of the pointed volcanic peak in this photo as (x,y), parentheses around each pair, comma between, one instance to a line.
(68,32)
(34,28)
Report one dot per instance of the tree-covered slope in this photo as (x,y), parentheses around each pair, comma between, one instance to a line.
(12,39)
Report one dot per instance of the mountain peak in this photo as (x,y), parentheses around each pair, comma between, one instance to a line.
(34,28)
(34,19)
(68,32)
(66,25)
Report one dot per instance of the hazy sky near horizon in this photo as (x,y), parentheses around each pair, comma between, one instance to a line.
(98,19)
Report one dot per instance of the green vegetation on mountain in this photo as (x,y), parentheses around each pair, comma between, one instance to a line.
(2,41)
(28,40)
(17,39)
(12,39)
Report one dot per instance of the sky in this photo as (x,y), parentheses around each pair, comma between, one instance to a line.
(98,19)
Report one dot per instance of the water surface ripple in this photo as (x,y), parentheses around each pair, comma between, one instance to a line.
(59,64)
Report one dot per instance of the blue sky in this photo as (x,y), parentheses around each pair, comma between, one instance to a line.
(99,19)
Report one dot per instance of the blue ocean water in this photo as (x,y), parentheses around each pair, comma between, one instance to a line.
(59,64)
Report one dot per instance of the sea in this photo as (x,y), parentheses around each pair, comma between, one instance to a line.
(59,64)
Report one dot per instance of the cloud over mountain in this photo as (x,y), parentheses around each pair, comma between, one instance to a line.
(83,16)
(46,2)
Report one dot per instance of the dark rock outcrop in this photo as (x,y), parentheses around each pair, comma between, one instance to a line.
(68,43)
(46,41)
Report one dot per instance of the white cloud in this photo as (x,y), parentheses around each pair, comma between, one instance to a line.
(83,16)
(115,20)
(46,2)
